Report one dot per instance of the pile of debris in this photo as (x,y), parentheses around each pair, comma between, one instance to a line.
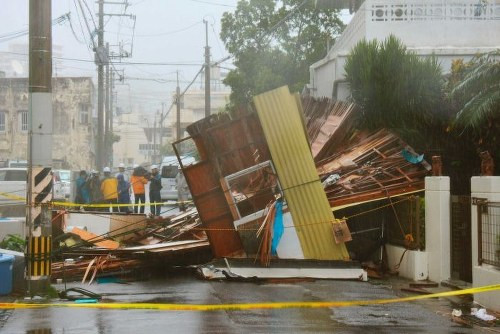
(359,166)
(144,242)
(308,153)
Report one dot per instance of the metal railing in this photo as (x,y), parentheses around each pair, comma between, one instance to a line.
(488,232)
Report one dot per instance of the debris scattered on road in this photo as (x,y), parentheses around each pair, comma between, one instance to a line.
(482,314)
(158,240)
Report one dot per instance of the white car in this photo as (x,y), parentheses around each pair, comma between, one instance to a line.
(62,184)
(13,183)
(168,170)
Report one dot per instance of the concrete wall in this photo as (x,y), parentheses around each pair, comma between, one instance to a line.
(414,265)
(72,139)
(487,187)
(433,263)
(437,227)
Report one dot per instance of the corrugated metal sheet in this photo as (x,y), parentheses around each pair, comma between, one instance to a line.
(284,131)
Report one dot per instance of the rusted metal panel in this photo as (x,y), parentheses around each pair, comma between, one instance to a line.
(328,124)
(225,145)
(202,177)
(213,209)
(283,128)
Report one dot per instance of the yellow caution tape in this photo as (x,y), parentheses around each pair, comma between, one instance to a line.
(12,196)
(96,205)
(104,205)
(249,306)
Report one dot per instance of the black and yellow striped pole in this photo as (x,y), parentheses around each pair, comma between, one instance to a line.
(39,192)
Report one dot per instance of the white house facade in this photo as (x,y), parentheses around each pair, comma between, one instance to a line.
(448,29)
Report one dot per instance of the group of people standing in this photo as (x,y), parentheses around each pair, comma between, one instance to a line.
(112,190)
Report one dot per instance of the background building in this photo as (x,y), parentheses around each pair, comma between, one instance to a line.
(445,28)
(73,127)
(193,104)
(137,143)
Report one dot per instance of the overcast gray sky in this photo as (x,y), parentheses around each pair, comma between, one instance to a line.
(166,31)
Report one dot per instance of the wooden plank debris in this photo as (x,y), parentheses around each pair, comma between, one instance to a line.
(95,239)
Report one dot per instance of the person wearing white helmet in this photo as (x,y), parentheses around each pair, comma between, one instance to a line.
(154,191)
(122,171)
(109,189)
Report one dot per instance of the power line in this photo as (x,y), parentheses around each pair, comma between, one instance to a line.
(91,14)
(171,32)
(16,34)
(162,118)
(214,3)
(116,63)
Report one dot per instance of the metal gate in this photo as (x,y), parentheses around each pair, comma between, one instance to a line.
(461,249)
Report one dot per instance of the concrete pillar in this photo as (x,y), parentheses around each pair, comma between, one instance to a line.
(437,227)
(487,187)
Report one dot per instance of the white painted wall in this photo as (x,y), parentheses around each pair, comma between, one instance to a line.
(487,187)
(437,227)
(289,246)
(435,262)
(414,265)
(450,29)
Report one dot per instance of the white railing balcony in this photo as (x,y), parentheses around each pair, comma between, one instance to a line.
(419,23)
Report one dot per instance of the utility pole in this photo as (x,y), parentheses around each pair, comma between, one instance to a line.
(207,71)
(178,105)
(111,97)
(161,129)
(100,87)
(39,191)
(153,160)
(107,117)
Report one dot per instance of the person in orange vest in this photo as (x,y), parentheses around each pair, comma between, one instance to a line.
(137,181)
(109,189)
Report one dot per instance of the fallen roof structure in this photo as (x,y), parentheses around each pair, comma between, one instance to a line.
(280,166)
(355,166)
(248,159)
(372,168)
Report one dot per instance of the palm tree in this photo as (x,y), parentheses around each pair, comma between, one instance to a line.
(394,87)
(478,92)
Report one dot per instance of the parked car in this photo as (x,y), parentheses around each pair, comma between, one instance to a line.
(169,169)
(13,183)
(62,184)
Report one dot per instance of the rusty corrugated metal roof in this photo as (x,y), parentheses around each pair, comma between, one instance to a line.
(284,131)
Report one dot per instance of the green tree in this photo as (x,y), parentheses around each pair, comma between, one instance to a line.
(477,91)
(474,93)
(274,43)
(394,87)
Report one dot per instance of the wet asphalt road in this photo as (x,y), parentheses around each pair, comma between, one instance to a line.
(417,317)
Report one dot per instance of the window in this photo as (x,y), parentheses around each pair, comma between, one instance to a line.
(252,188)
(84,113)
(23,120)
(3,126)
(169,172)
(13,175)
(148,147)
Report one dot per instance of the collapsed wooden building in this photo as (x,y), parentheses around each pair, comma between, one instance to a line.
(302,151)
